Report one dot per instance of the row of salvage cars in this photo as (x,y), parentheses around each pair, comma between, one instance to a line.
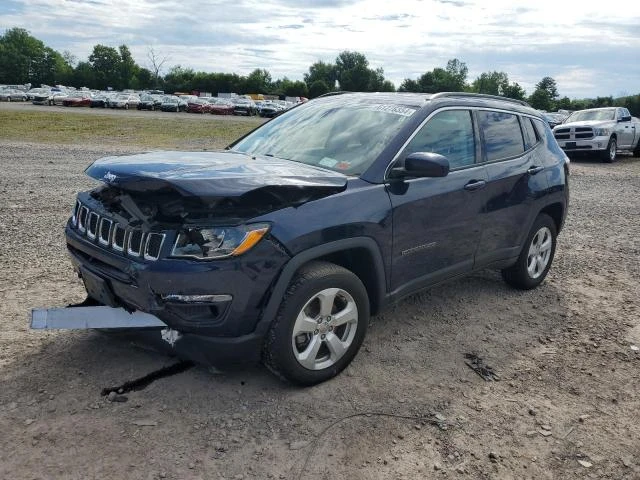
(238,105)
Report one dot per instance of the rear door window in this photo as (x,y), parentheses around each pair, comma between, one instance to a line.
(502,136)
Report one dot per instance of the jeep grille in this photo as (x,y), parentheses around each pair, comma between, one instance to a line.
(109,234)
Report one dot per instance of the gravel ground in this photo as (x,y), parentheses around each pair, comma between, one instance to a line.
(565,405)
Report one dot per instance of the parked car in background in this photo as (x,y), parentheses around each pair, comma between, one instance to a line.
(221,106)
(198,105)
(57,98)
(599,131)
(282,246)
(171,103)
(124,100)
(37,91)
(554,119)
(77,99)
(270,109)
(147,102)
(100,100)
(244,106)
(12,95)
(42,97)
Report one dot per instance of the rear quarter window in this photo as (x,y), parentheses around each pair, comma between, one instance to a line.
(530,136)
(502,136)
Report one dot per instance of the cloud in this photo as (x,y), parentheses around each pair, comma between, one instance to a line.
(589,51)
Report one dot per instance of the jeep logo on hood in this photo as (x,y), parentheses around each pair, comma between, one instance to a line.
(109,177)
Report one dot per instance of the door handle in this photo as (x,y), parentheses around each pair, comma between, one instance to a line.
(535,169)
(475,185)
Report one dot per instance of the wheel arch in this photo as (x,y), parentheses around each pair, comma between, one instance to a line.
(556,212)
(360,255)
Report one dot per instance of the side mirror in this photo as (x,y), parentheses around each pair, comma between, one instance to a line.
(422,164)
(625,119)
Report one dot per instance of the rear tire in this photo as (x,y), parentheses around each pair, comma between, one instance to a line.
(536,256)
(320,325)
(609,155)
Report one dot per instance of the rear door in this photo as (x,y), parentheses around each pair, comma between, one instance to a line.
(436,221)
(512,151)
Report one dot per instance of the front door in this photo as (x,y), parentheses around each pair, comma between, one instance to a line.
(436,221)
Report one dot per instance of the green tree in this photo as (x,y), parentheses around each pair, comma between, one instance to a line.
(179,79)
(83,75)
(106,67)
(409,85)
(514,90)
(352,71)
(258,81)
(541,99)
(457,72)
(317,88)
(564,103)
(25,59)
(321,71)
(387,86)
(450,79)
(128,68)
(492,83)
(549,85)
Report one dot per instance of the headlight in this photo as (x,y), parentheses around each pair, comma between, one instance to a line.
(219,242)
(601,132)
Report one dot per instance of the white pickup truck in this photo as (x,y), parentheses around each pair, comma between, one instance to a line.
(599,131)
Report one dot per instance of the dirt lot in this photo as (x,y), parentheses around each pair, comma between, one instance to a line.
(566,404)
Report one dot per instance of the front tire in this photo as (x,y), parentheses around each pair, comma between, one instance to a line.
(609,155)
(320,325)
(536,256)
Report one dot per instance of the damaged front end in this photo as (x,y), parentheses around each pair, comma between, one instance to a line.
(192,249)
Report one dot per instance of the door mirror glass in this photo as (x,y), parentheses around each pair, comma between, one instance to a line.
(625,118)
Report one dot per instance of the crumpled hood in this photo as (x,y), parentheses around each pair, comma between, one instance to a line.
(211,174)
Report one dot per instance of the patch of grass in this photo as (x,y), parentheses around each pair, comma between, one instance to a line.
(182,133)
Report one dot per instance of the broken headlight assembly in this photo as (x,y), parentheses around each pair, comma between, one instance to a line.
(204,243)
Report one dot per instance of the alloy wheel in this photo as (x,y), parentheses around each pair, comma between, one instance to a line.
(539,252)
(324,329)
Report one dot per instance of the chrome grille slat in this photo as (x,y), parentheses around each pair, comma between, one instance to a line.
(153,246)
(135,242)
(110,234)
(82,219)
(76,210)
(92,225)
(118,238)
(104,235)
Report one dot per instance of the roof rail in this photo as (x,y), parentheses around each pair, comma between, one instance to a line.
(479,95)
(331,94)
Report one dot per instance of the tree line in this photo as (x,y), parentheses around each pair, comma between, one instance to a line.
(26,59)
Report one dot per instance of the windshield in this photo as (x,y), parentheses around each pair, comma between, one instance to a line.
(581,116)
(338,133)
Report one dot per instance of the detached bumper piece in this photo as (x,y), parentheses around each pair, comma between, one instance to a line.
(218,351)
(84,318)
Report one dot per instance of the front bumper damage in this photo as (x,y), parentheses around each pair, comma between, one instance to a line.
(202,311)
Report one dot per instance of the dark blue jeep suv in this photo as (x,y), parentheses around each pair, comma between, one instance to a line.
(281,247)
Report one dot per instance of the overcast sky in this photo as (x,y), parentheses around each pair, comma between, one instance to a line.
(591,48)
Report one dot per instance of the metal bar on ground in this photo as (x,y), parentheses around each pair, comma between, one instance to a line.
(83,318)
